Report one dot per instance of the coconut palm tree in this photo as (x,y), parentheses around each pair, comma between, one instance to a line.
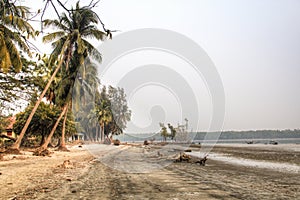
(12,24)
(103,111)
(83,101)
(70,38)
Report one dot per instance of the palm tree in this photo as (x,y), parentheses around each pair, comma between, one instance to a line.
(84,95)
(104,117)
(12,23)
(103,111)
(68,40)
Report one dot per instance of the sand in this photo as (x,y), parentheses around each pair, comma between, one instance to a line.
(101,172)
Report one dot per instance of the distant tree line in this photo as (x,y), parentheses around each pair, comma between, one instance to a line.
(258,134)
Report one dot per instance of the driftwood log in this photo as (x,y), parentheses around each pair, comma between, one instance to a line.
(202,161)
(183,158)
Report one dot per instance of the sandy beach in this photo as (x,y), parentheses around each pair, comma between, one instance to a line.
(115,172)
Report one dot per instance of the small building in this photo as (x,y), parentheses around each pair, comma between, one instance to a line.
(9,132)
(77,136)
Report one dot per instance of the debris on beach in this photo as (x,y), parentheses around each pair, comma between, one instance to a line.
(191,159)
(202,161)
(67,164)
(13,151)
(183,157)
(273,142)
(116,142)
(42,152)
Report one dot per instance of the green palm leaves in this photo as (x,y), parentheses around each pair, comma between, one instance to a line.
(70,48)
(13,27)
(72,34)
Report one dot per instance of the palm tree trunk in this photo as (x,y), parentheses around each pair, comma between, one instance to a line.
(102,133)
(98,130)
(62,146)
(96,134)
(17,144)
(45,145)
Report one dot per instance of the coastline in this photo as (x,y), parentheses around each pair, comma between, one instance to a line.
(43,177)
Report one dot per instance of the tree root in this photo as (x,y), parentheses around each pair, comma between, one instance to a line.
(63,148)
(12,151)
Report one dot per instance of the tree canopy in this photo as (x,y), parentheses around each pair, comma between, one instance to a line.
(48,84)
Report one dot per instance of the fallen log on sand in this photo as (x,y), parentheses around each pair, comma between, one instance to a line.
(183,157)
(187,158)
(202,161)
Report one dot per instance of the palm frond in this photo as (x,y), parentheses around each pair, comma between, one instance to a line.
(93,52)
(53,36)
(93,32)
(55,23)
(5,60)
(9,55)
(16,37)
(14,56)
(59,50)
(18,23)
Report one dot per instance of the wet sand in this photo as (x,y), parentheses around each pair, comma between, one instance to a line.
(98,179)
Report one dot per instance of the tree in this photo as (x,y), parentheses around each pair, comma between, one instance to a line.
(112,111)
(163,132)
(42,122)
(103,111)
(119,108)
(85,92)
(14,32)
(70,38)
(14,29)
(173,131)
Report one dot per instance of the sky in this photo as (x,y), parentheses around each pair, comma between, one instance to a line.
(254,45)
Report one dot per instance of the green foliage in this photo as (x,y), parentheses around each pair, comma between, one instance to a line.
(16,87)
(3,122)
(164,133)
(119,108)
(14,30)
(84,93)
(69,44)
(112,110)
(43,121)
(72,34)
(173,131)
(21,79)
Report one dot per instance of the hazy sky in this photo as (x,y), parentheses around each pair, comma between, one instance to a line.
(255,46)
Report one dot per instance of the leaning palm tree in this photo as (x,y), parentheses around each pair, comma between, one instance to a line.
(12,24)
(70,38)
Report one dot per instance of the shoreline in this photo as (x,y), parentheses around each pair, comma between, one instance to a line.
(31,177)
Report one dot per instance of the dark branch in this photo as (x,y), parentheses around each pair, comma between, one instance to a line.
(44,10)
